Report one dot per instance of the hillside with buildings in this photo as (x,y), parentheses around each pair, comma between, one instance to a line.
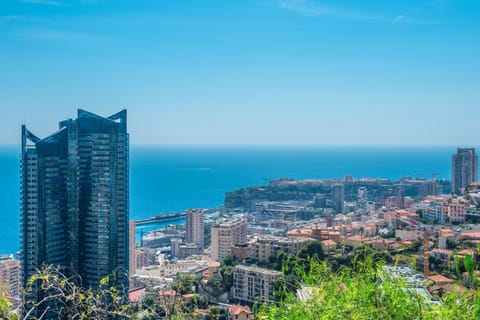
(308,248)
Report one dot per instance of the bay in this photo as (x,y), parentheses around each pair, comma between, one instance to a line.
(166,179)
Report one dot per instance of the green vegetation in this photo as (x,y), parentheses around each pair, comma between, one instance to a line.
(60,296)
(363,291)
(207,234)
(333,287)
(243,197)
(5,305)
(227,269)
(185,283)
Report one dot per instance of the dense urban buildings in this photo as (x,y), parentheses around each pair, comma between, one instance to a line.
(74,199)
(195,231)
(464,168)
(75,215)
(181,250)
(144,257)
(227,234)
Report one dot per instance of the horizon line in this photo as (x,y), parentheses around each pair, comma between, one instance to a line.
(285,145)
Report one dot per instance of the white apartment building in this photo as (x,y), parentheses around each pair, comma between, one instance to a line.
(251,284)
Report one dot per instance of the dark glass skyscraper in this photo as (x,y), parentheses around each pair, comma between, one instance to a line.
(338,197)
(464,168)
(74,198)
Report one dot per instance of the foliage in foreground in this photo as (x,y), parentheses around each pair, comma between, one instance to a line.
(5,305)
(364,292)
(60,296)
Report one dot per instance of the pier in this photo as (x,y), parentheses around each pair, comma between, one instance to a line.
(161,218)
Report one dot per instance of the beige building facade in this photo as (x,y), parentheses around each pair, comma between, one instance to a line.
(9,277)
(195,231)
(225,235)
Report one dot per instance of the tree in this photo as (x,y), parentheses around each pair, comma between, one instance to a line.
(312,249)
(215,283)
(469,265)
(452,244)
(184,283)
(229,261)
(272,259)
(419,213)
(227,269)
(285,262)
(285,284)
(458,266)
(226,273)
(62,297)
(216,313)
(416,245)
(151,307)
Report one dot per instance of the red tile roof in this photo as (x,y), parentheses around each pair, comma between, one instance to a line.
(438,278)
(238,309)
(329,243)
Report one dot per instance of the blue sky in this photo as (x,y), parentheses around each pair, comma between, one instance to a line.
(293,72)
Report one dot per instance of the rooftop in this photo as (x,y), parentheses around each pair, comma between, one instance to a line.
(328,243)
(236,310)
(259,270)
(438,278)
(214,264)
(442,251)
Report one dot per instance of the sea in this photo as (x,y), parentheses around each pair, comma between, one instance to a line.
(168,179)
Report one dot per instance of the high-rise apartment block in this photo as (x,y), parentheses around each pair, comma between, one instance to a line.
(225,235)
(74,199)
(10,278)
(464,168)
(195,231)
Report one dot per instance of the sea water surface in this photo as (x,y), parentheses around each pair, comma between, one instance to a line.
(172,179)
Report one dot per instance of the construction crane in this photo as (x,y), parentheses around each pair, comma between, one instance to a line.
(434,183)
(426,255)
(265,180)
